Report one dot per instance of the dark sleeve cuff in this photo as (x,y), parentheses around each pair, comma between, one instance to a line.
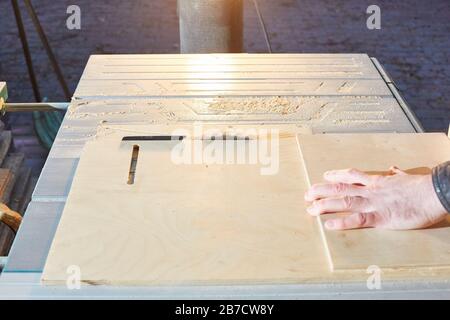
(441,183)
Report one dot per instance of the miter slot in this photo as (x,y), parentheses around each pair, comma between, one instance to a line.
(152,138)
(179,138)
(225,137)
(133,164)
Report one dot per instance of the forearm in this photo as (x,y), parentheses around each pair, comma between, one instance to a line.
(441,183)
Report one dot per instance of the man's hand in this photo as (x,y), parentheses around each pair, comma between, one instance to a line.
(399,201)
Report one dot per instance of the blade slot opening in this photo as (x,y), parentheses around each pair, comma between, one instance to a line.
(133,164)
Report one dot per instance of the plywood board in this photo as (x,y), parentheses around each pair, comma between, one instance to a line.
(359,249)
(180,224)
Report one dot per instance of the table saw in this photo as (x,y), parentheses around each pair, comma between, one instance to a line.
(313,93)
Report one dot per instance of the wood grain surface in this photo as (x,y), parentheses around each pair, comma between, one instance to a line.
(192,224)
(359,249)
(179,224)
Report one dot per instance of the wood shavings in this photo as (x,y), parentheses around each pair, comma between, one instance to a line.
(263,105)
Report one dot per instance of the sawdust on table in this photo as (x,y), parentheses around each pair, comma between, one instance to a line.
(277,104)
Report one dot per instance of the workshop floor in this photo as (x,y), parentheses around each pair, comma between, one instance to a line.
(413,43)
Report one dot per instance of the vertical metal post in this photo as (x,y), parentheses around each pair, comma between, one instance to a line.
(47,48)
(26,51)
(211,26)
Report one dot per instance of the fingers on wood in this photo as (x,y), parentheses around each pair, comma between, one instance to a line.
(348,176)
(354,221)
(340,204)
(326,190)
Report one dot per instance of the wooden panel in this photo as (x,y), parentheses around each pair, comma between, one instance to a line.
(12,163)
(183,224)
(5,143)
(358,249)
(5,181)
(19,192)
(312,268)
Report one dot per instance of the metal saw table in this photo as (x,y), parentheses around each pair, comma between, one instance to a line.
(325,93)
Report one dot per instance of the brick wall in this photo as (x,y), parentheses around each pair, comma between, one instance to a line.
(413,44)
